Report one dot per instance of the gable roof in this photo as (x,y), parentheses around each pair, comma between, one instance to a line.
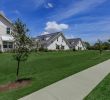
(6,19)
(73,42)
(48,35)
(47,39)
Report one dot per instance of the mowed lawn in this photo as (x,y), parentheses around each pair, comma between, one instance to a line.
(45,68)
(102,91)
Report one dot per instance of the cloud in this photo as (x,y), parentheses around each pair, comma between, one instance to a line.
(44,33)
(77,8)
(69,36)
(99,26)
(53,26)
(16,12)
(91,31)
(38,3)
(42,3)
(49,5)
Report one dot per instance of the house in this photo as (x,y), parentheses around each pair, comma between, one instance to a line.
(76,44)
(6,39)
(53,41)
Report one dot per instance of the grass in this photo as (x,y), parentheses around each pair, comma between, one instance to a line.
(45,68)
(102,91)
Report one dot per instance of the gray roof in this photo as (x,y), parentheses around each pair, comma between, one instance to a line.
(47,35)
(51,37)
(73,42)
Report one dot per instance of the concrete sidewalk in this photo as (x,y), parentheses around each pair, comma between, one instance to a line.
(75,87)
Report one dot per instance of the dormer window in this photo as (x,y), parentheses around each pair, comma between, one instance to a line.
(43,38)
(8,31)
(57,39)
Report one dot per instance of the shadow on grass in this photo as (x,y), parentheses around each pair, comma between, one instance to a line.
(24,79)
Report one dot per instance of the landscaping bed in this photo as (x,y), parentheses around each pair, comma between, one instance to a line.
(14,85)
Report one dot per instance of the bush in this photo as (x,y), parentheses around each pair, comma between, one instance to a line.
(73,49)
(34,50)
(43,49)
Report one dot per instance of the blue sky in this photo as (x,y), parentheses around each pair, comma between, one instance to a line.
(87,19)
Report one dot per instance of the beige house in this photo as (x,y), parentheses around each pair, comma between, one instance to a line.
(6,39)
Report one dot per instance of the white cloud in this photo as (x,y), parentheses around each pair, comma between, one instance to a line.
(50,5)
(91,31)
(44,33)
(69,36)
(40,3)
(16,12)
(53,26)
(76,8)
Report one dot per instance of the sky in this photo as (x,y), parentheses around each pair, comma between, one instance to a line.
(86,19)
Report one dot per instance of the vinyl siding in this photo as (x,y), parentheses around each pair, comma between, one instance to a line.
(60,42)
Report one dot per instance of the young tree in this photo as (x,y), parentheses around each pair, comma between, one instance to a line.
(22,43)
(100,44)
(109,43)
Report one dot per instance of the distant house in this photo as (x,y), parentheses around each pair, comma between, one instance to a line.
(54,41)
(76,44)
(6,39)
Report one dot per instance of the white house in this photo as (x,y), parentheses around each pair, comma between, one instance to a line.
(6,39)
(77,44)
(54,41)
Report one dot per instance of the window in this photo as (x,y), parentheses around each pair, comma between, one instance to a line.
(62,40)
(8,31)
(43,38)
(10,45)
(5,45)
(57,47)
(57,39)
(79,48)
(62,47)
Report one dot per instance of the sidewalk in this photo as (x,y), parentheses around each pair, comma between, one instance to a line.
(75,87)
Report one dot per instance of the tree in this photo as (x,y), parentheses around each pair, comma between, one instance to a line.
(109,43)
(22,44)
(106,46)
(100,44)
(87,44)
(35,45)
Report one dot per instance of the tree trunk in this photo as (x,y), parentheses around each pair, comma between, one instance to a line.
(17,74)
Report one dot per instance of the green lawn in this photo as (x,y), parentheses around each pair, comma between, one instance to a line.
(102,91)
(45,69)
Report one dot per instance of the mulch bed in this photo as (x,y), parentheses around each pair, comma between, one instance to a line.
(14,85)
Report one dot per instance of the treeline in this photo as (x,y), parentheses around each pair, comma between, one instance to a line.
(98,45)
